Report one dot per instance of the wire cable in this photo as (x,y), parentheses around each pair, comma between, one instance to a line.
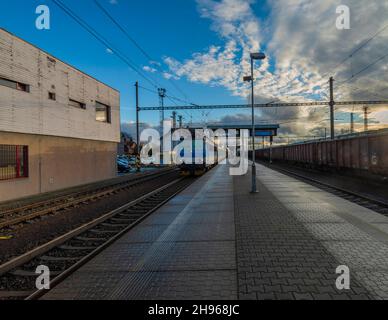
(355,51)
(101,39)
(363,69)
(137,45)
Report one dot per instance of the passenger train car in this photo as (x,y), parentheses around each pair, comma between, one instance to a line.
(199,160)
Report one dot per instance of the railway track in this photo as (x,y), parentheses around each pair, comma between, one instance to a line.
(13,216)
(69,252)
(362,200)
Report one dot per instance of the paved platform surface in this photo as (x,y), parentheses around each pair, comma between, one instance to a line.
(218,241)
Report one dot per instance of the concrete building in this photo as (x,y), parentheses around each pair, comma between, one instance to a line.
(59,127)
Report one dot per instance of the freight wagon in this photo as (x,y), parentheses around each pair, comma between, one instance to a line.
(364,154)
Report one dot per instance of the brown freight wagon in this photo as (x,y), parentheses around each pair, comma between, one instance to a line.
(363,154)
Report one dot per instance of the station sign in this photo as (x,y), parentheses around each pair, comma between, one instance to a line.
(265,133)
(262,132)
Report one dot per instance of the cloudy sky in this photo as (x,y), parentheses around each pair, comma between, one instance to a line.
(199,51)
(304,48)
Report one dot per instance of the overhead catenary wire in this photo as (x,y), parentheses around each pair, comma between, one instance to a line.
(356,50)
(353,87)
(102,40)
(363,69)
(172,99)
(169,97)
(137,45)
(122,29)
(127,61)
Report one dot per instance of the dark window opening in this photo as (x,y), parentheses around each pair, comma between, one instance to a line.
(14,85)
(52,96)
(13,162)
(103,112)
(77,104)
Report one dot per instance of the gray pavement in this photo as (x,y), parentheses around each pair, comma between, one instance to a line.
(217,241)
(185,250)
(353,235)
(278,256)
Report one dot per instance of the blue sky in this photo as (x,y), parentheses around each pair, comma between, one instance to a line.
(203,46)
(162,28)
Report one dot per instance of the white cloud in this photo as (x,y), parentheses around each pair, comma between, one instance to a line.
(302,45)
(236,23)
(381,115)
(130,128)
(168,76)
(149,69)
(155,63)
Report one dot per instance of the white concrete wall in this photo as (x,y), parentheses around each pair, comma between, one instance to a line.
(34,113)
(56,163)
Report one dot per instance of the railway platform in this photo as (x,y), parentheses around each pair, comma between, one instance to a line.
(215,240)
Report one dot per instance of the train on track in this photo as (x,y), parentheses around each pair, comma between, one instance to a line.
(199,160)
(363,154)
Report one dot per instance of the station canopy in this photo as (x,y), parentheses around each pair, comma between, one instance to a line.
(262,130)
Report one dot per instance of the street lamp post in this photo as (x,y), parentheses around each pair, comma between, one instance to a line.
(254,56)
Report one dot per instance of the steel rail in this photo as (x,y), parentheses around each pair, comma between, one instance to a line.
(10,210)
(56,243)
(86,197)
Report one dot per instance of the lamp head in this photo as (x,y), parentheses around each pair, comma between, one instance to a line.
(258,56)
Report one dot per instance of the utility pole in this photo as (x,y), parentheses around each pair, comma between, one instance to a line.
(174,115)
(332,104)
(137,128)
(254,186)
(162,95)
(352,122)
(180,121)
(366,124)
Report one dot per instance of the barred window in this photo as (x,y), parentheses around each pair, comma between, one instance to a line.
(13,162)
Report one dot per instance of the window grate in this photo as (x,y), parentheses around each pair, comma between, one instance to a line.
(13,162)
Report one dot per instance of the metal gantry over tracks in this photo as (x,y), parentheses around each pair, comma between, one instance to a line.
(332,103)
